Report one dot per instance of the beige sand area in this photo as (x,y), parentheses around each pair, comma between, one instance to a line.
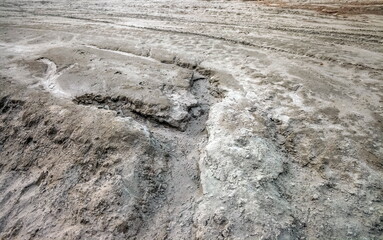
(191,119)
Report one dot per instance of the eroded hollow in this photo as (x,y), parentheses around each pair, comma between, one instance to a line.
(172,100)
(192,121)
(183,141)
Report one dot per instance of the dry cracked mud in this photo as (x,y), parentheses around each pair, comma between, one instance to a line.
(191,119)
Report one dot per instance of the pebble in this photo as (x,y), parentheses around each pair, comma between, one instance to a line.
(315,197)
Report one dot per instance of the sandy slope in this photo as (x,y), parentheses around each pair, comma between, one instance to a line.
(189,120)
